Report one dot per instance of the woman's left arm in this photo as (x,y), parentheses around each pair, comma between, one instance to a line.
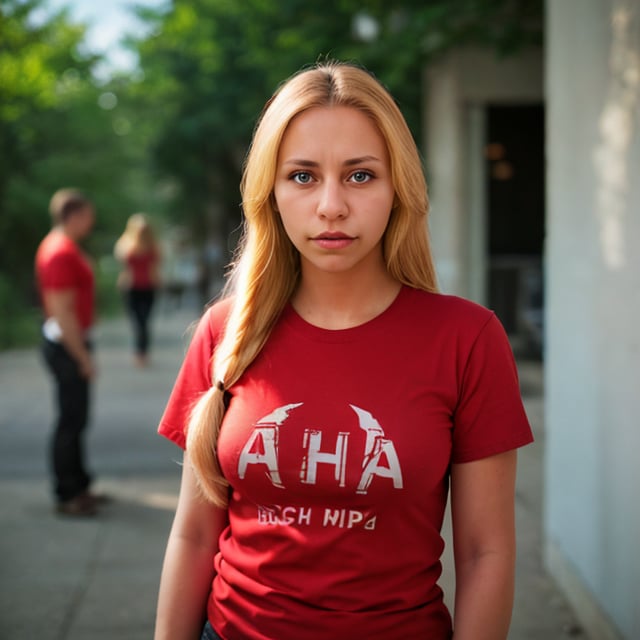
(484,544)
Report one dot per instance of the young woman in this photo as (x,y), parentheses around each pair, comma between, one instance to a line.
(139,254)
(330,398)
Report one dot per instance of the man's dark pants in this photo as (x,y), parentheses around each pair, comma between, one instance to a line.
(67,443)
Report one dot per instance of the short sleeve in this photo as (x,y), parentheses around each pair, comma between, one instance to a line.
(62,272)
(194,379)
(489,417)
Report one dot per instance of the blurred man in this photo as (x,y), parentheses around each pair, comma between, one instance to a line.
(67,290)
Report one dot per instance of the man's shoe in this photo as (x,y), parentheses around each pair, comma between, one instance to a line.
(80,507)
(98,499)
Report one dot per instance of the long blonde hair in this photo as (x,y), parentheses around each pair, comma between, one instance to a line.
(137,237)
(267,269)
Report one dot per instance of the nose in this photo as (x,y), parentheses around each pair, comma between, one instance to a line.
(332,204)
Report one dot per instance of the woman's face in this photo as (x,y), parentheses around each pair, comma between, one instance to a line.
(333,190)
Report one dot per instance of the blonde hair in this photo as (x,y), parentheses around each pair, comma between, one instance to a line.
(266,270)
(138,237)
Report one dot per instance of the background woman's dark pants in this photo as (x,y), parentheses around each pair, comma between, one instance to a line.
(67,444)
(139,303)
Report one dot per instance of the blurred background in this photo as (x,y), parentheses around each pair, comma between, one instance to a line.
(527,114)
(149,106)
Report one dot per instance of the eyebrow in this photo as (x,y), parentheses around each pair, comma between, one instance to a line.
(301,162)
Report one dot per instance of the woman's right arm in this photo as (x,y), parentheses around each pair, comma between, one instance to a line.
(188,571)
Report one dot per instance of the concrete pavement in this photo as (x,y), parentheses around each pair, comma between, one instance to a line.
(68,579)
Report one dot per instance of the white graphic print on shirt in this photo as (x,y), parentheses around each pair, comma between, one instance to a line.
(261,448)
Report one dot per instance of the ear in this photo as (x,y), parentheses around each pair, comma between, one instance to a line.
(274,202)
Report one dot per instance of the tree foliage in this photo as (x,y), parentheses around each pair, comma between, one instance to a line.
(53,134)
(171,135)
(211,64)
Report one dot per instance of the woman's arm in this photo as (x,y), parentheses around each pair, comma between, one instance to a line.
(188,564)
(483,518)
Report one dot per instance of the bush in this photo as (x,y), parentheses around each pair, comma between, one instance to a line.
(21,316)
(20,323)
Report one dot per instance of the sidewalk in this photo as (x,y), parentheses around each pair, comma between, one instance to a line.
(74,580)
(69,579)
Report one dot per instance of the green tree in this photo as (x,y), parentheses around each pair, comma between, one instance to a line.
(210,65)
(58,128)
(209,68)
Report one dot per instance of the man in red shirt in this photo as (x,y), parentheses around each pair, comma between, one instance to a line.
(67,291)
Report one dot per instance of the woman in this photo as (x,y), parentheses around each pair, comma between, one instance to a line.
(139,254)
(335,396)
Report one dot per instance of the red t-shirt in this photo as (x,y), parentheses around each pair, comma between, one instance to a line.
(141,267)
(61,265)
(337,446)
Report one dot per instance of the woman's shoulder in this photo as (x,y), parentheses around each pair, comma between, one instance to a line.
(206,331)
(449,320)
(216,314)
(446,307)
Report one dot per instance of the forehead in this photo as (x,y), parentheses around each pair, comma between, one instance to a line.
(336,129)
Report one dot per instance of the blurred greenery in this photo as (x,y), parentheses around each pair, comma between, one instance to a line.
(169,136)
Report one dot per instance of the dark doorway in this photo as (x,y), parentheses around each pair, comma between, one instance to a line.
(516,194)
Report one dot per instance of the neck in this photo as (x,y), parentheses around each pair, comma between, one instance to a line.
(68,231)
(337,301)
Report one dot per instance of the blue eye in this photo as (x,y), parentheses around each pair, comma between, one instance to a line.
(360,177)
(301,177)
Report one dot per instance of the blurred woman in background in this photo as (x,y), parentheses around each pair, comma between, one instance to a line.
(138,251)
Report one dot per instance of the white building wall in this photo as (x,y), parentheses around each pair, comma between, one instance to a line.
(457,89)
(444,150)
(592,360)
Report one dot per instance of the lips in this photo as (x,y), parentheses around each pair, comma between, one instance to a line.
(332,240)
(332,235)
